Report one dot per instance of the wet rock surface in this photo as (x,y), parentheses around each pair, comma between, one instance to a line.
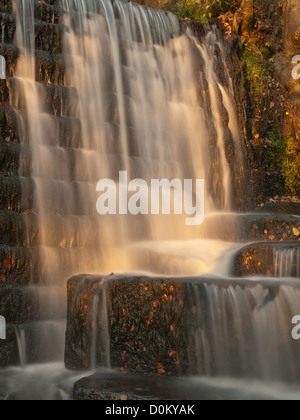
(156,326)
(115,387)
(272,260)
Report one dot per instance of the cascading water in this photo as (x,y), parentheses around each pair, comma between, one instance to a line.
(141,95)
(287,263)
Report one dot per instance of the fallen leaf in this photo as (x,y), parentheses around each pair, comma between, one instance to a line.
(165,298)
(172,354)
(8,263)
(296,232)
(156,304)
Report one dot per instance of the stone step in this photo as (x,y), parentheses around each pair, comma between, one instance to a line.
(48,36)
(59,100)
(19,265)
(292,208)
(113,386)
(9,157)
(16,194)
(250,227)
(22,229)
(11,54)
(6,6)
(17,229)
(50,67)
(8,28)
(8,124)
(69,130)
(19,304)
(281,259)
(39,342)
(22,304)
(44,10)
(47,12)
(177,326)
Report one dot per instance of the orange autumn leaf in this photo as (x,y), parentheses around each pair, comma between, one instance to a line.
(3,279)
(86,363)
(131,344)
(124,313)
(132,328)
(8,263)
(123,355)
(165,298)
(161,371)
(160,366)
(172,354)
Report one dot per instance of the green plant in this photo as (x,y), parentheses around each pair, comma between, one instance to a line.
(290,167)
(197,10)
(274,152)
(256,76)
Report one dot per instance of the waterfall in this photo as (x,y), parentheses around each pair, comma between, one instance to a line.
(141,94)
(22,347)
(244,332)
(287,263)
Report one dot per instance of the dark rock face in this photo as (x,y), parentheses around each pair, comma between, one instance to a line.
(260,259)
(170,327)
(144,337)
(19,304)
(116,387)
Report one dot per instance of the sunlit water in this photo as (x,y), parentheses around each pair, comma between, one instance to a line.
(132,100)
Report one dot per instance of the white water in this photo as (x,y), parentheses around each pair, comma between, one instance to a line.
(131,84)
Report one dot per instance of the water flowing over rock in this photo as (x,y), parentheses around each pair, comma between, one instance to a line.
(95,87)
